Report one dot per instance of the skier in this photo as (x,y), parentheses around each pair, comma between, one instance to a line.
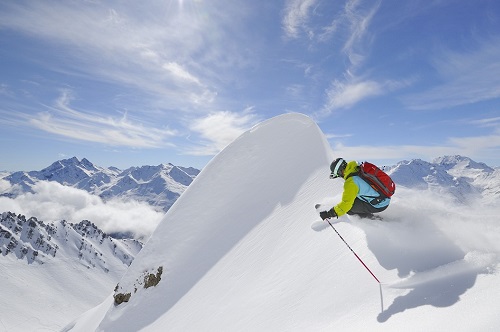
(359,197)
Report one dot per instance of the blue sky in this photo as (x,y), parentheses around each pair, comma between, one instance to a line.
(132,83)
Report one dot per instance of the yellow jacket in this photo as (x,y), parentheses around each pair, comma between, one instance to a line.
(351,190)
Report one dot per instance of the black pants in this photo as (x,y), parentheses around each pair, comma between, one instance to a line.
(363,208)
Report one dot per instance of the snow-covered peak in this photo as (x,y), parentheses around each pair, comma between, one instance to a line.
(461,162)
(460,166)
(143,174)
(411,173)
(457,175)
(69,171)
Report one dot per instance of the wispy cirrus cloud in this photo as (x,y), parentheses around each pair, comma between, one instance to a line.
(357,21)
(467,77)
(488,122)
(296,16)
(65,121)
(341,94)
(218,129)
(344,94)
(352,89)
(179,73)
(115,43)
(352,21)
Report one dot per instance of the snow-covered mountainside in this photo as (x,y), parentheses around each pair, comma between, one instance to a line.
(36,242)
(53,271)
(243,249)
(460,176)
(158,185)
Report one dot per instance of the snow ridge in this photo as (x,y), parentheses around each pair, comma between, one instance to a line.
(187,230)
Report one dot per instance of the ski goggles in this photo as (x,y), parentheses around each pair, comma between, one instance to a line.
(333,176)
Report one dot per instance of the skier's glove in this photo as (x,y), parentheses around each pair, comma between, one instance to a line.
(328,214)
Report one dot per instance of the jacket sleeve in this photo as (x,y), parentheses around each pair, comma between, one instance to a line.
(348,196)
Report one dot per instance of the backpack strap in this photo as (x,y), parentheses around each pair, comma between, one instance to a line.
(352,174)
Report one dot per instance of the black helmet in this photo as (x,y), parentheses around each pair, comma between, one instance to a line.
(337,168)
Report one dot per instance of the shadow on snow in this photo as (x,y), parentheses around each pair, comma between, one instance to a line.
(434,268)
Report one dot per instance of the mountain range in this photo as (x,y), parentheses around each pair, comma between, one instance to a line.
(465,179)
(159,185)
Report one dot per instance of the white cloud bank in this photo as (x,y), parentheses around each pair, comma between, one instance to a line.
(52,201)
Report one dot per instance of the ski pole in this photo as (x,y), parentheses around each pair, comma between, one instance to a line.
(366,267)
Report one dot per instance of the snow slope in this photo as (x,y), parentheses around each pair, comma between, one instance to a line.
(243,250)
(44,297)
(53,272)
